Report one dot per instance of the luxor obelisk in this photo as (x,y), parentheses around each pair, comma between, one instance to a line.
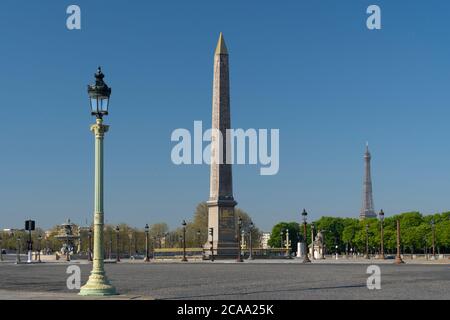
(221,215)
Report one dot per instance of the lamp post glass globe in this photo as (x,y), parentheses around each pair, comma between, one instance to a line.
(99,94)
(304,215)
(381,214)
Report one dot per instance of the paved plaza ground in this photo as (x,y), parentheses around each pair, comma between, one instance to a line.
(274,279)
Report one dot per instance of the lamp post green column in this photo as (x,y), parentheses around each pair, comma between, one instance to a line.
(98,284)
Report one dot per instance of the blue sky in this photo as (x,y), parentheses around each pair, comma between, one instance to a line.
(310,68)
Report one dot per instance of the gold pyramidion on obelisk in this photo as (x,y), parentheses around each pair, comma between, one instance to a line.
(221,215)
(221,46)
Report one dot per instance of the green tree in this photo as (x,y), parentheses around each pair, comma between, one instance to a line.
(278,235)
(199,223)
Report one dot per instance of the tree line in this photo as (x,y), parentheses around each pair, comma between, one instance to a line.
(131,240)
(347,235)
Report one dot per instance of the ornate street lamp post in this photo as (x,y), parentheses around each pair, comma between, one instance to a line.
(288,244)
(398,258)
(322,255)
(90,244)
(312,242)
(381,214)
(239,257)
(117,244)
(366,255)
(1,249)
(251,226)
(211,243)
(67,249)
(110,243)
(184,241)
(198,239)
(146,230)
(305,258)
(281,241)
(18,250)
(130,238)
(39,238)
(99,93)
(433,228)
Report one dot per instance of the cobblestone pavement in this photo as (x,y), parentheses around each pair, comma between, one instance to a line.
(282,279)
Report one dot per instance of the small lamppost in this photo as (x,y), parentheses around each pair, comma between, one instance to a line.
(110,253)
(117,244)
(433,228)
(288,243)
(1,248)
(281,241)
(239,257)
(211,242)
(146,230)
(381,214)
(398,258)
(184,241)
(67,249)
(251,226)
(366,255)
(90,244)
(305,258)
(130,238)
(39,238)
(198,239)
(18,250)
(312,241)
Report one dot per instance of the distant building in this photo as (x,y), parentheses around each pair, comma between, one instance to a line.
(12,230)
(265,240)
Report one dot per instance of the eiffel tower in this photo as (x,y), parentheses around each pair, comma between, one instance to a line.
(367,210)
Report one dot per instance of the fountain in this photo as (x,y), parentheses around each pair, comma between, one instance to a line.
(66,233)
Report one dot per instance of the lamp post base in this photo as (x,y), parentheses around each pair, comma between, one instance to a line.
(398,260)
(97,285)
